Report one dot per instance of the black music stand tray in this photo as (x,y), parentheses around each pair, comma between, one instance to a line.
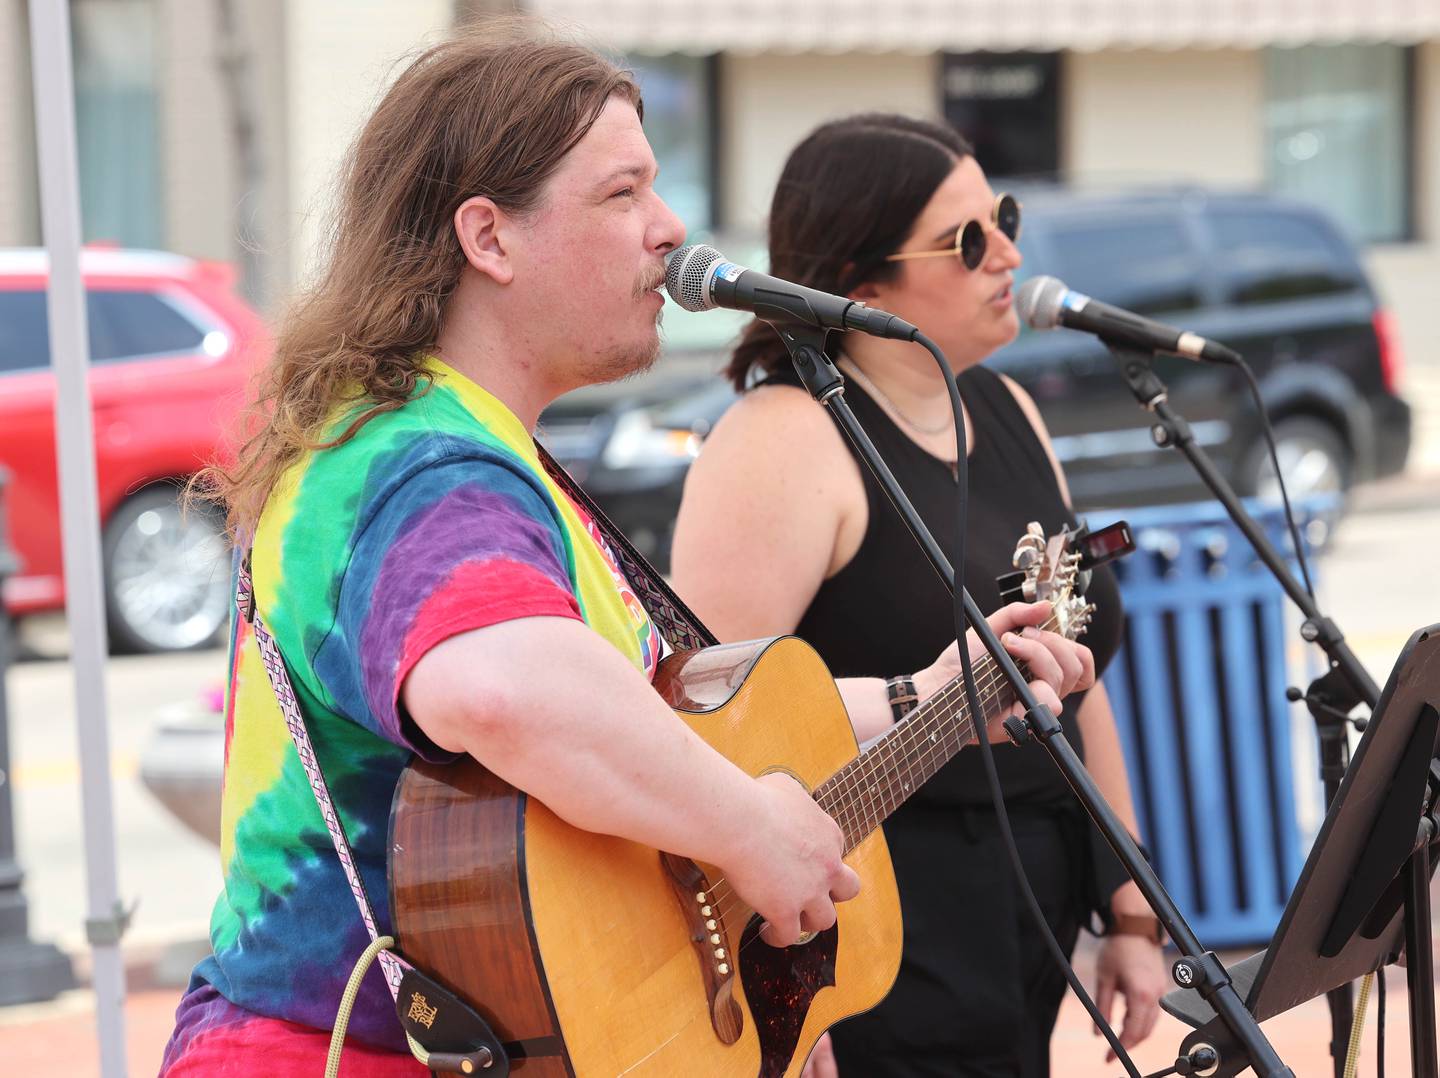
(1365,888)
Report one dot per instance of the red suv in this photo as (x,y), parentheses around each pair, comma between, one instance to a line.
(172,350)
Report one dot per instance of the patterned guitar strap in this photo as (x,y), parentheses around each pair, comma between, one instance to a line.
(676,623)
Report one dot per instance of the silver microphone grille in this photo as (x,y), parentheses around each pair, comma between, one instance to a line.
(1039,300)
(687,277)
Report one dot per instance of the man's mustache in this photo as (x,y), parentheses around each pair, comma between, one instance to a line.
(650,282)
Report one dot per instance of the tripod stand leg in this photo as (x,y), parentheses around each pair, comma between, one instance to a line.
(1334,756)
(1420,965)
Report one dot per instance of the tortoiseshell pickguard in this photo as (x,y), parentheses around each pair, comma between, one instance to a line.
(779,985)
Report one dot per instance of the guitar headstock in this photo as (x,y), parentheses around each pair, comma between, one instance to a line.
(1050,569)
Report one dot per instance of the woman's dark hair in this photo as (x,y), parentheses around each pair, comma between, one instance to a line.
(848,196)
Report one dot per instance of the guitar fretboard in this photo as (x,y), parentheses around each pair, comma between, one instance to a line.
(863,793)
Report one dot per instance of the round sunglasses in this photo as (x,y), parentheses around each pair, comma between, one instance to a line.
(972,237)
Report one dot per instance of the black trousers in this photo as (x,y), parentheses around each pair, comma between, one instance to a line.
(978,991)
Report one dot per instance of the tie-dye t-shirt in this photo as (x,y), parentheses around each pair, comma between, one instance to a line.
(435,519)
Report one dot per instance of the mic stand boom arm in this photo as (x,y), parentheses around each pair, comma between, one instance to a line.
(1196,968)
(1171,429)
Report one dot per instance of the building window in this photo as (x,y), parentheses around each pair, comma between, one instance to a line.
(1338,133)
(679,94)
(117,122)
(1008,105)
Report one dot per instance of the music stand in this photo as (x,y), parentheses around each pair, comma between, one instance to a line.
(1365,887)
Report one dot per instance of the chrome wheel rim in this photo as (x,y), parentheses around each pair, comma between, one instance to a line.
(169,575)
(1308,467)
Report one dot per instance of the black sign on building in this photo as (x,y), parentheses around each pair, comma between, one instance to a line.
(1008,105)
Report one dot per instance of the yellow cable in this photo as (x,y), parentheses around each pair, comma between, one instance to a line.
(347,1004)
(1357,1026)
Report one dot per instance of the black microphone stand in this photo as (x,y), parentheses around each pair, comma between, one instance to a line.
(1331,697)
(1196,968)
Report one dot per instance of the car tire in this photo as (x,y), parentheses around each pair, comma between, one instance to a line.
(1313,457)
(167,574)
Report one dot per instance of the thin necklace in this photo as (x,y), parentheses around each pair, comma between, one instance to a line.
(874,390)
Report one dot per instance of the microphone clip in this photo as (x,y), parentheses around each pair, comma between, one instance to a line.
(813,365)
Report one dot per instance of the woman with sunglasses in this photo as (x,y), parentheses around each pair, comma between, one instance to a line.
(783,530)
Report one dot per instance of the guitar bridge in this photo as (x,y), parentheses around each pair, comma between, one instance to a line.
(706,926)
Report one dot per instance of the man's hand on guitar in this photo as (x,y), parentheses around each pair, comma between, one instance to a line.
(1058,666)
(789,866)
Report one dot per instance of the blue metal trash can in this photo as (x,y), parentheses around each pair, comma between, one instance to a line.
(1198,689)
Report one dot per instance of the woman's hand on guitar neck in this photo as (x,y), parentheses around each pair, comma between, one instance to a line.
(788,862)
(1057,666)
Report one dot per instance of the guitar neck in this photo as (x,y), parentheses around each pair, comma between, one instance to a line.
(863,793)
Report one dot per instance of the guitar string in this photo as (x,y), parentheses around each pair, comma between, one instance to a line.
(722,894)
(943,713)
(856,797)
(947,705)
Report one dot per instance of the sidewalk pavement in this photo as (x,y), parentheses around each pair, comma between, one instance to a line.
(59,1037)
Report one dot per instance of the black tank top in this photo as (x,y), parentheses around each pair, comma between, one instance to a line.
(887,613)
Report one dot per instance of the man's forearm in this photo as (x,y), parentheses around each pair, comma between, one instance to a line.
(588,737)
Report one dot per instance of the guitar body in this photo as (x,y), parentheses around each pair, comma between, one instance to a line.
(594,957)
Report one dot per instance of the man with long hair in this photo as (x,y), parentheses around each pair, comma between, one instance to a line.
(431,589)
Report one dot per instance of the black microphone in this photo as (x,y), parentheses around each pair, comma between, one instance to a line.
(1045,302)
(700,279)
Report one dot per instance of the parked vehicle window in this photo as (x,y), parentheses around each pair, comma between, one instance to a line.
(1147,266)
(134,323)
(24,333)
(1269,257)
(123,324)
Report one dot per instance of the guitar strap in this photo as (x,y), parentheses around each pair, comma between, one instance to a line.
(391,964)
(675,621)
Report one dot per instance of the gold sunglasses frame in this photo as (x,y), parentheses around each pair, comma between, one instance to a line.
(953,251)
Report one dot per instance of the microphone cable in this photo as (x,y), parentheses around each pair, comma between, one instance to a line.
(992,776)
(1254,386)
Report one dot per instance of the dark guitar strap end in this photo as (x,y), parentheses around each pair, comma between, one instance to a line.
(455,1035)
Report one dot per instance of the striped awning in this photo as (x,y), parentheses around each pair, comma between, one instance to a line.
(923,26)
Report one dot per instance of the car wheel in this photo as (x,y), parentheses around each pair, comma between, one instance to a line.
(167,574)
(1313,458)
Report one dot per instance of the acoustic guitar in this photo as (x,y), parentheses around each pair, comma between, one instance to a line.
(595,957)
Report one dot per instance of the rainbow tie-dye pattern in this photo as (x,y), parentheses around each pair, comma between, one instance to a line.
(435,519)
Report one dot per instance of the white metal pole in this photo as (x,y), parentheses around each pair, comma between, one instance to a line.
(79,506)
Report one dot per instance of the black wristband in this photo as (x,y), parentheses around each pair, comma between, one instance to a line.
(903,697)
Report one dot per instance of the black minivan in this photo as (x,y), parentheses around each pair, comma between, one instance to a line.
(1272,279)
